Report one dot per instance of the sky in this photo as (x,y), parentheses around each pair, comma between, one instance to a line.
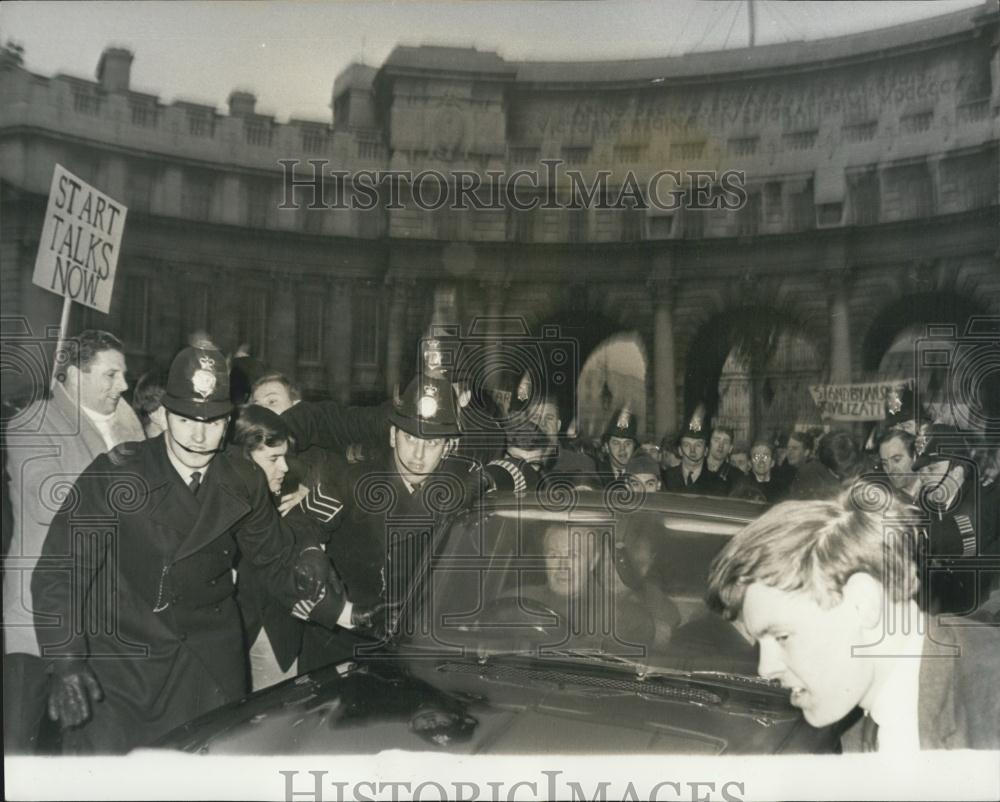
(289,53)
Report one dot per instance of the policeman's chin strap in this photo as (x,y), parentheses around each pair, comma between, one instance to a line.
(222,442)
(929,492)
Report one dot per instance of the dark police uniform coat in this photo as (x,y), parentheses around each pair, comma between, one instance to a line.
(149,573)
(707,483)
(384,538)
(966,530)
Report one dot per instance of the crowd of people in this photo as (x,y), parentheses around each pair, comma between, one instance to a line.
(244,534)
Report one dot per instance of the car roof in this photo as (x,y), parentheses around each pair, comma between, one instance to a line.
(679,510)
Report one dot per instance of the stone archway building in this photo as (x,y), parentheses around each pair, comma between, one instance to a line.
(871,172)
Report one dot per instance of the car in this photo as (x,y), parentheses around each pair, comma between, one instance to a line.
(569,622)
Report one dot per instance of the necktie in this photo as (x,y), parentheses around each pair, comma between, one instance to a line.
(690,480)
(195,482)
(869,734)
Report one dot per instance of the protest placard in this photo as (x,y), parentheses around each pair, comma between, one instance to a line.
(80,242)
(857,402)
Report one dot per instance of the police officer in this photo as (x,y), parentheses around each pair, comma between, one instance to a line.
(393,507)
(962,522)
(692,476)
(152,529)
(619,442)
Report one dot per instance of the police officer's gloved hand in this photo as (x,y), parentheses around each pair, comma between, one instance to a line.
(74,690)
(312,570)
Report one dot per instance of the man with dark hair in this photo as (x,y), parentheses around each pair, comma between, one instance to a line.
(827,592)
(160,638)
(147,403)
(839,463)
(720,446)
(896,452)
(82,419)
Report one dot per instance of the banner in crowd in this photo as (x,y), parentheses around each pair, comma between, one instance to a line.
(857,402)
(80,243)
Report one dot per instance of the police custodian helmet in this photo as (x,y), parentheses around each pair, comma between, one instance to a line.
(622,424)
(198,384)
(426,408)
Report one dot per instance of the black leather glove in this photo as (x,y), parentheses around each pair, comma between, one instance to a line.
(312,570)
(74,690)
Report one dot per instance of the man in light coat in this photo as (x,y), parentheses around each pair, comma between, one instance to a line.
(48,445)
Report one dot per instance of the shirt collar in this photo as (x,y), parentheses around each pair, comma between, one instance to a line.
(896,707)
(183,470)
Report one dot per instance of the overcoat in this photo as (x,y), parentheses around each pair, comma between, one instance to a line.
(48,444)
(136,579)
(958,706)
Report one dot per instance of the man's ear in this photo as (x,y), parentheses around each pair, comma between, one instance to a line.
(866,595)
(72,376)
(392,437)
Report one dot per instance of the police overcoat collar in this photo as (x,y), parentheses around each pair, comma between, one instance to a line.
(197,521)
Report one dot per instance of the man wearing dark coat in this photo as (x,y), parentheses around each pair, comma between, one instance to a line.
(619,443)
(392,508)
(134,603)
(692,475)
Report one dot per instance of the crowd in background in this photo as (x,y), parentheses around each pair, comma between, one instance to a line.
(301,468)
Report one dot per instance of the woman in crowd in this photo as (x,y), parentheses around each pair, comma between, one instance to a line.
(273,635)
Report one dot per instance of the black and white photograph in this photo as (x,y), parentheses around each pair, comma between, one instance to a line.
(531,399)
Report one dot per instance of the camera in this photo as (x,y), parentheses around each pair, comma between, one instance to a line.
(26,362)
(959,373)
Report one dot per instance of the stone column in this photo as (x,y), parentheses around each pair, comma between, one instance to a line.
(840,327)
(395,335)
(663,288)
(282,332)
(337,345)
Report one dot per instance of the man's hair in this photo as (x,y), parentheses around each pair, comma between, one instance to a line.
(763,444)
(815,547)
(804,438)
(904,437)
(259,427)
(839,452)
(723,429)
(148,393)
(83,350)
(294,393)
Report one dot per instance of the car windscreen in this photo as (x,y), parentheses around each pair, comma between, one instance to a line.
(612,585)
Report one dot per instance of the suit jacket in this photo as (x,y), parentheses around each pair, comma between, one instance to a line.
(48,445)
(146,567)
(707,483)
(958,704)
